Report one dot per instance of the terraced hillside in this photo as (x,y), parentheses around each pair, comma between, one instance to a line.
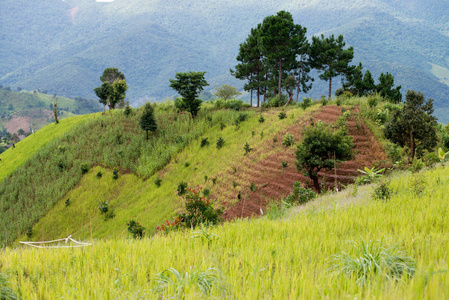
(61,199)
(264,168)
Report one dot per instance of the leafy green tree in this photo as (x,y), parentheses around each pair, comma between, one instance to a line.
(329,57)
(320,149)
(189,85)
(226,92)
(113,89)
(147,120)
(103,92)
(386,88)
(413,126)
(281,41)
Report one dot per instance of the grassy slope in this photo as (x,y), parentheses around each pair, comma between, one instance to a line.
(133,198)
(25,149)
(280,259)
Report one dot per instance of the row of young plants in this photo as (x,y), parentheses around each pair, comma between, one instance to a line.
(114,140)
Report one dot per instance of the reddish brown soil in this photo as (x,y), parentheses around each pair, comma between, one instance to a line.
(273,181)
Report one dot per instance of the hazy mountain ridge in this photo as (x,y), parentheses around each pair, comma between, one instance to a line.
(152,40)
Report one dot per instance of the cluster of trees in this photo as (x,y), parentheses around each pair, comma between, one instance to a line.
(359,83)
(277,57)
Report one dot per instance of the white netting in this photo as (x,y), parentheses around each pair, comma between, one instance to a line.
(57,243)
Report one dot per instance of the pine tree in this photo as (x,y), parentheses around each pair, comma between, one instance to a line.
(328,56)
(147,120)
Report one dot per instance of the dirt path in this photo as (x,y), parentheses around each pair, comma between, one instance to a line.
(273,181)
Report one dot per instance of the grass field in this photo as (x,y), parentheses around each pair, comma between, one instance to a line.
(286,258)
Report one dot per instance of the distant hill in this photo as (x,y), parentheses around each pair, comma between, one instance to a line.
(70,43)
(32,110)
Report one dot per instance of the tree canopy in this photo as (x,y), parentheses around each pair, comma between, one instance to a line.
(113,89)
(226,92)
(147,120)
(189,85)
(328,56)
(320,149)
(414,126)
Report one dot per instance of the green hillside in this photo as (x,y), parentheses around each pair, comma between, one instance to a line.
(294,257)
(36,109)
(72,42)
(115,141)
(27,148)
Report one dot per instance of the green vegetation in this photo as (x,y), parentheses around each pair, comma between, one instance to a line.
(365,251)
(189,85)
(320,149)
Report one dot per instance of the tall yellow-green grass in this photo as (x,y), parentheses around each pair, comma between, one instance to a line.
(288,258)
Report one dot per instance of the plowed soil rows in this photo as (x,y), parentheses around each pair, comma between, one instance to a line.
(272,181)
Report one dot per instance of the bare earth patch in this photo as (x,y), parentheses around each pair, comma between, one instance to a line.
(263,166)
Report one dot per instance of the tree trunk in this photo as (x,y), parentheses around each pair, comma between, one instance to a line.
(330,88)
(104,108)
(299,80)
(316,184)
(258,96)
(412,146)
(280,81)
(251,99)
(147,134)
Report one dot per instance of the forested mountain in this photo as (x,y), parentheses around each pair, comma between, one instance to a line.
(63,46)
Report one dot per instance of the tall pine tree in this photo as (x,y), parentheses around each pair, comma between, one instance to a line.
(329,57)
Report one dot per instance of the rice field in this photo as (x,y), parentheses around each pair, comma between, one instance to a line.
(292,257)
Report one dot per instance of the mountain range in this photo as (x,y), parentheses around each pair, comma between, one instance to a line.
(64,46)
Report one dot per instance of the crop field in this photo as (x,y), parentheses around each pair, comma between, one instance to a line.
(344,245)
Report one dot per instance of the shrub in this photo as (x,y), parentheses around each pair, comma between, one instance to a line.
(234,184)
(99,174)
(247,148)
(61,165)
(288,140)
(393,152)
(284,164)
(261,119)
(84,168)
(67,202)
(103,207)
(186,164)
(115,174)
(416,166)
(306,102)
(275,139)
(220,143)
(136,229)
(282,115)
(199,209)
(372,102)
(324,101)
(206,192)
(109,215)
(373,258)
(128,110)
(204,142)
(276,210)
(182,188)
(253,187)
(171,280)
(158,182)
(382,192)
(431,159)
(300,195)
(370,175)
(29,233)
